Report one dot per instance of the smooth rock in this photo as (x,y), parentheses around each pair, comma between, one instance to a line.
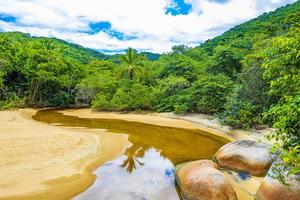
(245,155)
(271,189)
(201,180)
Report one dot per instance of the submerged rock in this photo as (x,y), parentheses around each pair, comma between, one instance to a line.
(246,155)
(201,180)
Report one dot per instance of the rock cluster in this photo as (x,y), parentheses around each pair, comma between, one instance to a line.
(202,179)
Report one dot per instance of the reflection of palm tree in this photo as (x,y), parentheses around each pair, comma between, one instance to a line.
(133,153)
(133,69)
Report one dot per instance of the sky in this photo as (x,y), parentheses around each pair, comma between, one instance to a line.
(111,26)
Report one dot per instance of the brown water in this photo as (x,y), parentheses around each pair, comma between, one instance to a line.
(145,170)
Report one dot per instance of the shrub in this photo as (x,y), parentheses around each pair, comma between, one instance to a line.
(241,114)
(100,102)
(285,117)
(210,92)
(13,102)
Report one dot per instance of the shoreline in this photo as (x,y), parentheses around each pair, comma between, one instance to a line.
(244,189)
(204,122)
(60,162)
(211,122)
(62,159)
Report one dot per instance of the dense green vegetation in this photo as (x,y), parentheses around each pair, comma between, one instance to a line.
(248,77)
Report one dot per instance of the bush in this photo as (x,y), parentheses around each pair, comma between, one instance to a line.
(210,92)
(100,103)
(288,166)
(127,98)
(285,117)
(240,113)
(142,97)
(61,99)
(181,108)
(13,102)
(172,91)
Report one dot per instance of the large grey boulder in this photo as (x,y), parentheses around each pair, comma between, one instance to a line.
(201,180)
(245,155)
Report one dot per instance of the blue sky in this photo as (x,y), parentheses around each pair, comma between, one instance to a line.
(114,25)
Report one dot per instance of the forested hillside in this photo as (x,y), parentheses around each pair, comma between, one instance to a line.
(265,26)
(248,77)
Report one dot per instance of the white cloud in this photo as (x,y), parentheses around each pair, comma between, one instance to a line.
(146,19)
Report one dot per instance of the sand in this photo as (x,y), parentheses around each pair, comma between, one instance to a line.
(245,189)
(39,161)
(204,122)
(212,123)
(159,119)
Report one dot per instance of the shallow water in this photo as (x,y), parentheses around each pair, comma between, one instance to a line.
(145,170)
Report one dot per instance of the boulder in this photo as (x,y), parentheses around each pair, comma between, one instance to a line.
(271,189)
(246,155)
(201,180)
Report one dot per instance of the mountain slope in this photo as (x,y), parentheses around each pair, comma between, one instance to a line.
(265,26)
(69,50)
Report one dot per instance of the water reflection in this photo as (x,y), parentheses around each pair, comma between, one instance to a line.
(176,144)
(152,180)
(134,155)
(145,170)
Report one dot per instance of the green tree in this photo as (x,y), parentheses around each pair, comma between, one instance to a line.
(281,66)
(180,49)
(285,117)
(209,93)
(133,65)
(98,78)
(181,66)
(226,60)
(172,92)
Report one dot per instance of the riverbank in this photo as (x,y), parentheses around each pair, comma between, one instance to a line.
(43,161)
(40,161)
(211,122)
(245,189)
(204,122)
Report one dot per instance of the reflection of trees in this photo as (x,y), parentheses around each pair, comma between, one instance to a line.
(176,144)
(134,153)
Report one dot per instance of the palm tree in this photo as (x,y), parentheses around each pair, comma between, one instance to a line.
(133,63)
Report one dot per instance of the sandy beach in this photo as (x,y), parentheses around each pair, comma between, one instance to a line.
(41,161)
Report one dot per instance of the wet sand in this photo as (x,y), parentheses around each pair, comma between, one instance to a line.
(40,161)
(204,122)
(245,189)
(159,119)
(209,122)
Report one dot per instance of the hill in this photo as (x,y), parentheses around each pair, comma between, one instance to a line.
(69,50)
(267,25)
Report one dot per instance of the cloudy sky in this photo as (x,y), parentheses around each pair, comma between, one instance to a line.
(147,25)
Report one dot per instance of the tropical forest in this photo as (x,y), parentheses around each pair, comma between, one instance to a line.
(74,118)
